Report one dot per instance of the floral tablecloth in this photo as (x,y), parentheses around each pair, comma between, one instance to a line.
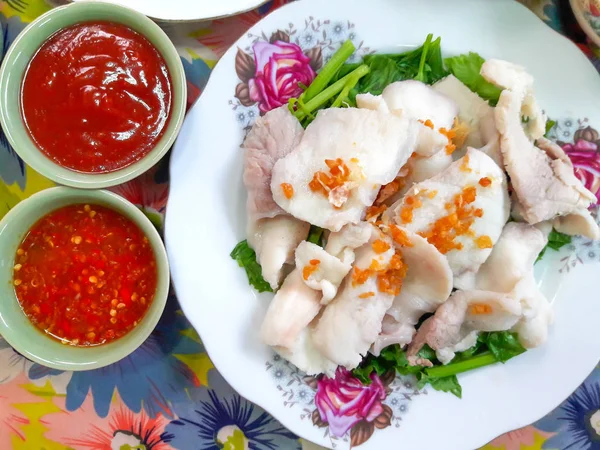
(167,394)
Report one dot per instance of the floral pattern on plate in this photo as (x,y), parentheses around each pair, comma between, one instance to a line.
(346,409)
(273,69)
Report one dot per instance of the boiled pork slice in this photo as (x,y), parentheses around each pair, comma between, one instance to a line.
(275,240)
(541,176)
(421,103)
(509,269)
(461,211)
(351,323)
(455,324)
(294,306)
(428,284)
(320,270)
(306,357)
(476,114)
(344,157)
(512,258)
(272,233)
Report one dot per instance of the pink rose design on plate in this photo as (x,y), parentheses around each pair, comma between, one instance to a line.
(586,161)
(344,402)
(275,73)
(280,69)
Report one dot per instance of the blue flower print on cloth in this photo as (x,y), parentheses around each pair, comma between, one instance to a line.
(576,421)
(152,377)
(12,168)
(218,418)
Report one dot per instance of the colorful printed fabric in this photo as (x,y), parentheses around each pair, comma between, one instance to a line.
(167,394)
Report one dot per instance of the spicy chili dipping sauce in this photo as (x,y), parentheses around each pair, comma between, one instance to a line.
(85,275)
(96,97)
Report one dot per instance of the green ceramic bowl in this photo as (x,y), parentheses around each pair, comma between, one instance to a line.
(16,328)
(25,46)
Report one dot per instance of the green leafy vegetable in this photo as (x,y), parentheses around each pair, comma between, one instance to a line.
(467,69)
(490,348)
(315,235)
(246,258)
(549,125)
(556,240)
(423,63)
(444,384)
(504,345)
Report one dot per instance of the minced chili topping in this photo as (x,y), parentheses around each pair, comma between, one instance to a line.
(399,236)
(485,182)
(380,246)
(457,222)
(484,242)
(389,278)
(288,190)
(323,182)
(481,308)
(374,212)
(85,275)
(411,202)
(311,268)
(389,190)
(464,167)
(450,135)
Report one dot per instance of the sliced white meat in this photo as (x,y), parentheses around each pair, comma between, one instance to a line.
(274,240)
(512,257)
(272,137)
(429,141)
(342,244)
(462,314)
(306,357)
(427,284)
(435,199)
(514,78)
(373,102)
(392,332)
(537,315)
(373,147)
(320,270)
(542,178)
(447,354)
(509,269)
(417,169)
(473,111)
(271,234)
(580,222)
(350,324)
(421,102)
(294,306)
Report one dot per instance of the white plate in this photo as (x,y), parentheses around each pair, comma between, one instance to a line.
(206,218)
(184,10)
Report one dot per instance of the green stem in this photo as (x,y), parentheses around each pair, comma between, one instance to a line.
(329,70)
(330,91)
(424,57)
(345,91)
(484,359)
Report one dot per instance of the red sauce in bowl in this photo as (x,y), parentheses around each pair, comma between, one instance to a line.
(96,97)
(85,275)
